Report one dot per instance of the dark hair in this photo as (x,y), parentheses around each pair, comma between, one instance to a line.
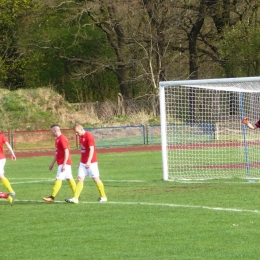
(55,125)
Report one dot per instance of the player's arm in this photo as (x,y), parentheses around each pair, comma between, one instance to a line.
(245,121)
(11,150)
(253,127)
(91,153)
(52,163)
(66,157)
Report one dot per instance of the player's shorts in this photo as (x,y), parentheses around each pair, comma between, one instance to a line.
(2,165)
(65,175)
(91,172)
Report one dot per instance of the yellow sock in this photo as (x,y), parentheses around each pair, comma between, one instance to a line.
(72,185)
(78,190)
(101,189)
(56,187)
(7,184)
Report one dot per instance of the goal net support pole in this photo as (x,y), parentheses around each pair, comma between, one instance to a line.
(201,132)
(244,133)
(163,133)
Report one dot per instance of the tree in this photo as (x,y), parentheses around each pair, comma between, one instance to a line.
(93,50)
(204,23)
(12,13)
(66,52)
(242,37)
(112,19)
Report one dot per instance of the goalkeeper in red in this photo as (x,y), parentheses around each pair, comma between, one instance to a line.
(88,166)
(245,121)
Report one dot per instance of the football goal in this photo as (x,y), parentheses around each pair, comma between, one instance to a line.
(201,130)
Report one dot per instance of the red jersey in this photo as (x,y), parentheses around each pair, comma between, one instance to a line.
(3,140)
(86,141)
(61,143)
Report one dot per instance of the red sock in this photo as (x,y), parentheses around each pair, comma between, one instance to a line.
(3,195)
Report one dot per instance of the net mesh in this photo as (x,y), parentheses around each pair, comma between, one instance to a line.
(204,135)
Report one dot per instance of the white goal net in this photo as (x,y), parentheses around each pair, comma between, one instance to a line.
(201,130)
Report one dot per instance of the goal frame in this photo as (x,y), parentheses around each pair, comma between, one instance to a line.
(163,84)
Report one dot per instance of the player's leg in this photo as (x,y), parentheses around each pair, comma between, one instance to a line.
(4,180)
(57,185)
(101,190)
(7,185)
(69,178)
(72,184)
(4,195)
(100,186)
(79,185)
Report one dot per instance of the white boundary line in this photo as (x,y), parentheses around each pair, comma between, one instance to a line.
(33,180)
(40,180)
(136,181)
(124,181)
(156,205)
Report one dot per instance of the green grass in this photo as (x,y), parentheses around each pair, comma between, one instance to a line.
(129,140)
(145,217)
(187,162)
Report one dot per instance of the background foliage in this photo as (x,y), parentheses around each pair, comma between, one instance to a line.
(38,108)
(94,50)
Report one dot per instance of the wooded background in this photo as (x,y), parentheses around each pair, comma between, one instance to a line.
(119,50)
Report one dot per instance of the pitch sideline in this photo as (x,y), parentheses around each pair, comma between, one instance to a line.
(156,204)
(139,203)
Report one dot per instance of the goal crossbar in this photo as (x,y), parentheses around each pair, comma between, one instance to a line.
(208,81)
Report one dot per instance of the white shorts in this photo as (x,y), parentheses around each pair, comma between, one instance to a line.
(65,175)
(91,172)
(2,166)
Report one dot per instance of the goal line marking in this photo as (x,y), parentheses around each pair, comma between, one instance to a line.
(33,180)
(201,181)
(157,205)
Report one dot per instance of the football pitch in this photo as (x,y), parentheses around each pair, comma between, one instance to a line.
(144,218)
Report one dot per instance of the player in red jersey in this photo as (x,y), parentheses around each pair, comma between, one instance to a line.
(7,196)
(3,179)
(63,159)
(88,166)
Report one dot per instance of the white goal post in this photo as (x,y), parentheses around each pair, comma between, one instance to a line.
(201,131)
